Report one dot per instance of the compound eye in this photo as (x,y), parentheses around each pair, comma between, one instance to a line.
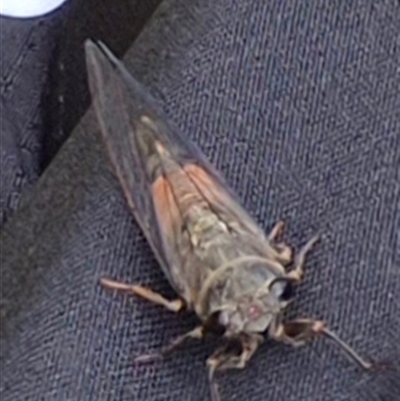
(288,292)
(287,288)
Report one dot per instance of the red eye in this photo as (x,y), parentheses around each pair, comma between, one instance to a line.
(254,312)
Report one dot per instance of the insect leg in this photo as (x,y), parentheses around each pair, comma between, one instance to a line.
(223,359)
(285,251)
(276,230)
(298,331)
(197,333)
(175,305)
(297,273)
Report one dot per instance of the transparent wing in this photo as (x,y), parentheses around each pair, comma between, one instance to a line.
(160,171)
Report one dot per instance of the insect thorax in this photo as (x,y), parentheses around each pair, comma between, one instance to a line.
(229,267)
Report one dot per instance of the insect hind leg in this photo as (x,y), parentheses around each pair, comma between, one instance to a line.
(175,305)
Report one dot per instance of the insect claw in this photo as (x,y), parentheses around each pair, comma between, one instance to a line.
(115,285)
(215,396)
(297,273)
(214,391)
(148,358)
(276,231)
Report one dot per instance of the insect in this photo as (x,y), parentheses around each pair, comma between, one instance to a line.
(219,261)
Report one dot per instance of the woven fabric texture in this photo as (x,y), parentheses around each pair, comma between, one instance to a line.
(297,103)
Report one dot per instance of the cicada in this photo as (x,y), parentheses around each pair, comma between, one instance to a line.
(219,261)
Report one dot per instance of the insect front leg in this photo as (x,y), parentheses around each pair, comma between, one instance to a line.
(175,305)
(197,333)
(297,332)
(226,358)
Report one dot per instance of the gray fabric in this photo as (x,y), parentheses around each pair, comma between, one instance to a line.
(297,103)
